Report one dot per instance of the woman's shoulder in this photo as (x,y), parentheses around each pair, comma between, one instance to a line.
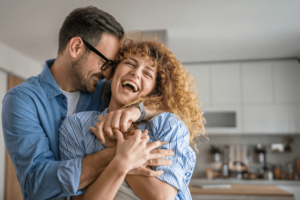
(166,118)
(168,124)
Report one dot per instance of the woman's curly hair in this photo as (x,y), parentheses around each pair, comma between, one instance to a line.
(174,91)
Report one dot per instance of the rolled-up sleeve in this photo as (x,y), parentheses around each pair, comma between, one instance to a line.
(169,129)
(39,174)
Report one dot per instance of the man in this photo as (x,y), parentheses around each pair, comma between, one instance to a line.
(33,111)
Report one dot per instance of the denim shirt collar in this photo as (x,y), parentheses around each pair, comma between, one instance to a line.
(47,81)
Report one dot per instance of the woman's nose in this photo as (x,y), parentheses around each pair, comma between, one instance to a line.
(136,73)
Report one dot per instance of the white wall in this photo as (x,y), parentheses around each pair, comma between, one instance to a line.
(18,64)
(13,62)
(3,88)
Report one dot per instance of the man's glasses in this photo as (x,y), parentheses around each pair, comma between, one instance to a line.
(107,64)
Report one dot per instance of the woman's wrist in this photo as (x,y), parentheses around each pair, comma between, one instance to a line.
(120,165)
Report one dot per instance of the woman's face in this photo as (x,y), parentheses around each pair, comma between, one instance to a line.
(134,77)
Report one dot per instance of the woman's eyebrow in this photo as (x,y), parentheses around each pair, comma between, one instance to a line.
(149,68)
(134,60)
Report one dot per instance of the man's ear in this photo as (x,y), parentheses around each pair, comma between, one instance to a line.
(76,47)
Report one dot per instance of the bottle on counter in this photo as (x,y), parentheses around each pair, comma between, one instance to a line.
(225,161)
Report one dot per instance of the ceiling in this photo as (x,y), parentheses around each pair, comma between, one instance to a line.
(197,30)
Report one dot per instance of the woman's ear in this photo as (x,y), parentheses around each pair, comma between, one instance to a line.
(76,47)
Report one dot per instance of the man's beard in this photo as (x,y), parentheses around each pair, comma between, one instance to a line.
(77,76)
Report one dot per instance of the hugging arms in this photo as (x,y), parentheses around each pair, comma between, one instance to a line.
(145,71)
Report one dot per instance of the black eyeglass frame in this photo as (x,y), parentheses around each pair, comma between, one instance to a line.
(108,63)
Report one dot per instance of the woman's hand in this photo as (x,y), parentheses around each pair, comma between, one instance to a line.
(119,119)
(134,151)
(103,138)
(110,141)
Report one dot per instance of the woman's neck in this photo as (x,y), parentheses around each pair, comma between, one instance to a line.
(113,106)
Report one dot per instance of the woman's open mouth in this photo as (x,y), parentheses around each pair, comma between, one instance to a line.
(130,86)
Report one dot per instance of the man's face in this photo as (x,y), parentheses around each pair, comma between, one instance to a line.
(86,72)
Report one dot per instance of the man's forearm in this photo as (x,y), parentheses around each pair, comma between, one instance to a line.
(93,165)
(148,188)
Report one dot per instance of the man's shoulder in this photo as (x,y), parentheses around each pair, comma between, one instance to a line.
(30,86)
(29,90)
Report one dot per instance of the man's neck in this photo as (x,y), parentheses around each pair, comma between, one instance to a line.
(59,71)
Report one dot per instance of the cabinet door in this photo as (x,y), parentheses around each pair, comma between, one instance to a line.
(295,118)
(257,83)
(267,118)
(287,81)
(201,75)
(226,84)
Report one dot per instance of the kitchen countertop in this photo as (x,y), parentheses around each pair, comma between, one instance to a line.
(246,192)
(231,181)
(202,181)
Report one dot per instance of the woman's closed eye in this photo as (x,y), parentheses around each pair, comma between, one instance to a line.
(131,64)
(148,74)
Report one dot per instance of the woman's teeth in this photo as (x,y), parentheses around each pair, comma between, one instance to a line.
(130,85)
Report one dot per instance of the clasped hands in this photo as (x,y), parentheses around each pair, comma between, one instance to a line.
(122,120)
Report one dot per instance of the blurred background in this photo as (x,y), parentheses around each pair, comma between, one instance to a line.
(244,56)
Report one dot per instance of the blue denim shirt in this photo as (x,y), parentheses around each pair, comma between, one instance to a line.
(31,116)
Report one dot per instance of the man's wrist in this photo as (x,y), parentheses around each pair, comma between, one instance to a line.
(94,164)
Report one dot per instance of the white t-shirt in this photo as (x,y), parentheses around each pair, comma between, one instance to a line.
(72,99)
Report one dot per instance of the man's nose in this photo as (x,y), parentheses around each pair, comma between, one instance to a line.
(106,73)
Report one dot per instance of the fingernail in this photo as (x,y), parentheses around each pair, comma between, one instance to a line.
(163,143)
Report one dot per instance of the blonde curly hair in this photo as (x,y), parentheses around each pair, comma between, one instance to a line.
(175,91)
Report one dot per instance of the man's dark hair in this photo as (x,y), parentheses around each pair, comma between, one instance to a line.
(88,23)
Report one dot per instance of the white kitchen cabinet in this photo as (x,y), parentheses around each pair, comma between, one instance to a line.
(295,118)
(201,74)
(257,85)
(225,83)
(267,119)
(287,81)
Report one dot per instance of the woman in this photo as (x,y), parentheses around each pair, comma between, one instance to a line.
(146,72)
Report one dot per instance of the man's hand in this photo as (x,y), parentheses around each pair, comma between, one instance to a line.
(146,170)
(119,119)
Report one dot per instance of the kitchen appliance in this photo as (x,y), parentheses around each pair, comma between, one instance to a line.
(215,153)
(238,169)
(260,152)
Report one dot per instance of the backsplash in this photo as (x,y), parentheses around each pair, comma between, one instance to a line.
(249,142)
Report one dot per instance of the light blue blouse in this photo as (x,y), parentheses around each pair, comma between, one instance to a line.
(76,140)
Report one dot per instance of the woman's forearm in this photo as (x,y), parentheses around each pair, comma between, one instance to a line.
(106,185)
(150,113)
(149,188)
